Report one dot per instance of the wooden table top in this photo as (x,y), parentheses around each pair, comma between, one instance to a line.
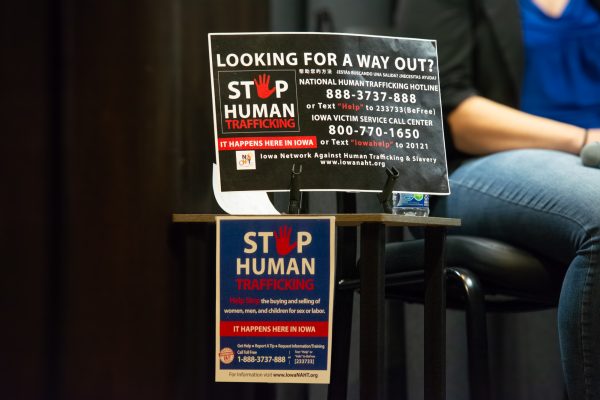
(340,219)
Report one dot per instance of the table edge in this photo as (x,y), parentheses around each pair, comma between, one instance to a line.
(340,219)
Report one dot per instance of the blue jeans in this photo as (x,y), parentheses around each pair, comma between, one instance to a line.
(547,202)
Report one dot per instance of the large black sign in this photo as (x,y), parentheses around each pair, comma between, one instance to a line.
(344,107)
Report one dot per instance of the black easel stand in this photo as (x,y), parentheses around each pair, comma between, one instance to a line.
(295,204)
(385,197)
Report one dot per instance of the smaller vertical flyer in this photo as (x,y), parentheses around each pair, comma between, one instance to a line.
(274,299)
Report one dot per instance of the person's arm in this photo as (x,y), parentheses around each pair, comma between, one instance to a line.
(449,22)
(481,126)
(478,125)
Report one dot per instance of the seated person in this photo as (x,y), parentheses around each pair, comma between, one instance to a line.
(520,85)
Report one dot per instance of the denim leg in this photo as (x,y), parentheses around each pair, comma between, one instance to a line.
(548,203)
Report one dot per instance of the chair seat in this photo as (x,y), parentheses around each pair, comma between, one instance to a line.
(503,270)
(483,275)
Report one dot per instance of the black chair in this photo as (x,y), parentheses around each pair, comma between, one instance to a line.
(482,274)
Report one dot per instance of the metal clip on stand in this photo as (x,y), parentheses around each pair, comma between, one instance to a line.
(295,203)
(385,197)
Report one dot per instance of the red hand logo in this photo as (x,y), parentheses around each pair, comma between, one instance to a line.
(262,86)
(282,241)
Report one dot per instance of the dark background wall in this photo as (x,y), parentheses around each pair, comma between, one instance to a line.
(106,130)
(26,243)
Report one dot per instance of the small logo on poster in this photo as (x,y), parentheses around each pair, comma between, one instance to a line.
(258,101)
(226,355)
(245,159)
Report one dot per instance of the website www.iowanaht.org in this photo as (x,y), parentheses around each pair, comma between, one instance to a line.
(364,163)
(294,375)
(257,374)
